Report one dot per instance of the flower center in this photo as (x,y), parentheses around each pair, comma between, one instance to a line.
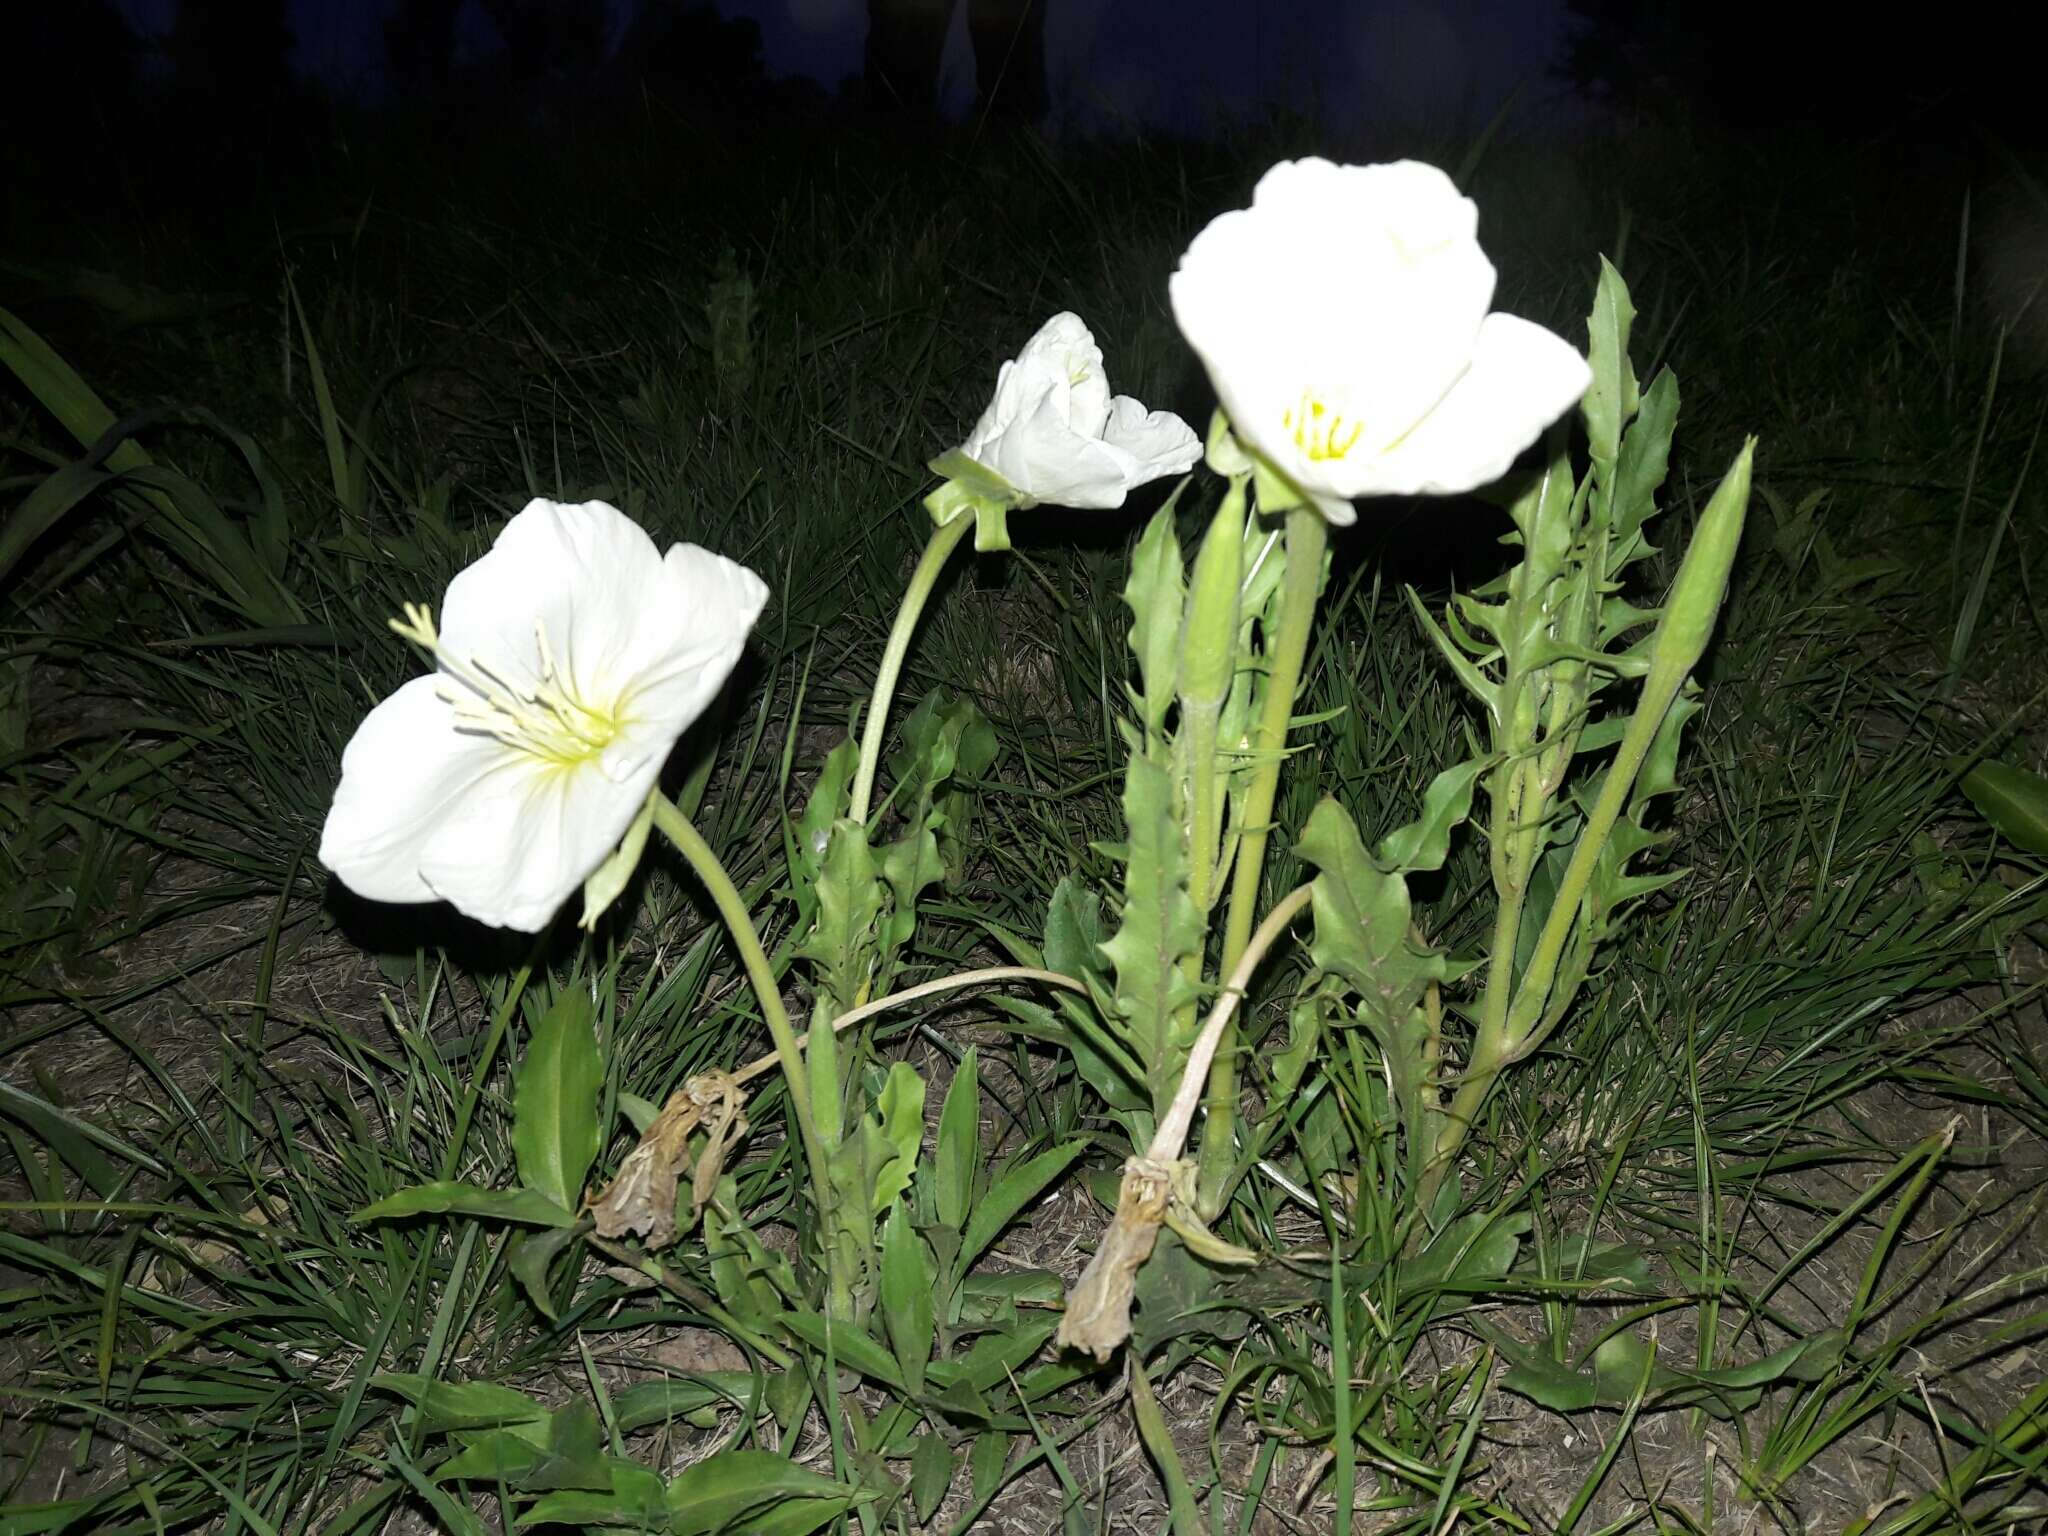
(1320,430)
(544,718)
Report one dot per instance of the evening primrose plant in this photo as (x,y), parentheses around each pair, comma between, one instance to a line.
(1344,320)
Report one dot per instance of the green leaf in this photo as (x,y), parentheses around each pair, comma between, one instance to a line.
(851,1346)
(533,1254)
(1694,602)
(500,1456)
(830,794)
(1073,947)
(1609,1378)
(633,1496)
(1612,399)
(602,887)
(574,1454)
(894,1140)
(849,900)
(908,1276)
(1590,1261)
(1613,890)
(1180,1295)
(804,841)
(910,865)
(1475,681)
(446,1196)
(957,1154)
(1038,1287)
(795,1517)
(1645,459)
(1155,592)
(640,1113)
(1185,1517)
(48,505)
(682,1398)
(1362,936)
(987,1462)
(453,1518)
(77,1141)
(991,1359)
(1473,1252)
(554,1105)
(1009,1194)
(740,1264)
(1160,930)
(1423,843)
(931,1474)
(717,1492)
(446,1406)
(944,737)
(2013,801)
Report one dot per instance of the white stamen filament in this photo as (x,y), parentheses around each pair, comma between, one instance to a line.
(546,719)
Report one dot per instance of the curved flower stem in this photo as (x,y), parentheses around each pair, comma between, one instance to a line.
(1307,535)
(922,580)
(1172,1132)
(676,827)
(754,1069)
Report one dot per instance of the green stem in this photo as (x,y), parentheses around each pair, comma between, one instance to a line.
(1307,536)
(1507,1030)
(676,827)
(922,580)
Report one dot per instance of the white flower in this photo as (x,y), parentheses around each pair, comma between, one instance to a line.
(1054,434)
(1342,318)
(571,658)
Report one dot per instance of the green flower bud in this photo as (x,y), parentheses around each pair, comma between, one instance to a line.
(1702,580)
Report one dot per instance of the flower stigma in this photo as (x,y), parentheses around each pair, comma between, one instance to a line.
(546,720)
(1320,432)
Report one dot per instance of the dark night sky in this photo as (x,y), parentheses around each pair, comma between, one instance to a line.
(1149,63)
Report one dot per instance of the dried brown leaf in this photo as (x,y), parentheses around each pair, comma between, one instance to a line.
(1098,1316)
(641,1200)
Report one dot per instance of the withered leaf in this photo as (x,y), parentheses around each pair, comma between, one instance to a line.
(1098,1315)
(641,1200)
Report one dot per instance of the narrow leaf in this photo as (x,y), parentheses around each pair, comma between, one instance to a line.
(445,1196)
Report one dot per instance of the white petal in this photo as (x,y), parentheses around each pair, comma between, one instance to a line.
(1356,292)
(504,834)
(584,573)
(1049,461)
(1064,354)
(402,774)
(1521,380)
(1160,442)
(1009,402)
(527,836)
(685,647)
(1337,511)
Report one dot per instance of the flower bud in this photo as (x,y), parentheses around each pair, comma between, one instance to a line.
(1702,579)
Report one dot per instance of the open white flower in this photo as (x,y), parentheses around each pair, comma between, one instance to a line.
(571,658)
(1053,433)
(1343,320)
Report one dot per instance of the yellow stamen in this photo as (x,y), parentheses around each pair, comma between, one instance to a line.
(545,719)
(1319,431)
